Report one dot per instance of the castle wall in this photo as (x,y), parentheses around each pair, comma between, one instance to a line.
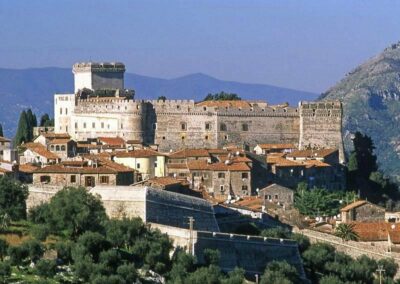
(64,106)
(321,126)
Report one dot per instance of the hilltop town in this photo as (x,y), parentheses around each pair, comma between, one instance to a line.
(211,174)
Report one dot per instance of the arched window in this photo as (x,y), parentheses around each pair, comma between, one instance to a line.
(63,148)
(52,148)
(222,127)
(57,148)
(245,127)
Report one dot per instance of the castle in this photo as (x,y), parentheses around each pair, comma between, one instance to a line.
(102,107)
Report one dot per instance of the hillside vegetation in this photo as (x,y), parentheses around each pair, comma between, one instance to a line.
(371,100)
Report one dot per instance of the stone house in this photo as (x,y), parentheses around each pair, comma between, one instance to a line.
(45,137)
(329,156)
(264,149)
(36,153)
(186,155)
(6,153)
(148,163)
(362,211)
(83,173)
(277,194)
(64,148)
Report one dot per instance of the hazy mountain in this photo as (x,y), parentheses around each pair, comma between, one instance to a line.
(35,88)
(371,99)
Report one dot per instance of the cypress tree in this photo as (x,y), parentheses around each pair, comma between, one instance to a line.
(23,129)
(29,117)
(1,131)
(43,120)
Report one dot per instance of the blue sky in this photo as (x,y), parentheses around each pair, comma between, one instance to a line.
(307,45)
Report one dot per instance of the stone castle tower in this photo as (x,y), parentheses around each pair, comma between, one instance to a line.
(102,107)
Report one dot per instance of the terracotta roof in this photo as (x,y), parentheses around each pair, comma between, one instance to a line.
(4,171)
(134,142)
(353,205)
(282,162)
(139,153)
(52,135)
(315,163)
(185,153)
(59,141)
(176,165)
(164,181)
(322,153)
(27,168)
(112,141)
(204,166)
(277,146)
(103,168)
(253,203)
(41,150)
(235,159)
(3,139)
(377,231)
(225,104)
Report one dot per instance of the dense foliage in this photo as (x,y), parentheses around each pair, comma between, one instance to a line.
(13,197)
(1,130)
(27,121)
(222,96)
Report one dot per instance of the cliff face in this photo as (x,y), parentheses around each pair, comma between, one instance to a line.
(371,104)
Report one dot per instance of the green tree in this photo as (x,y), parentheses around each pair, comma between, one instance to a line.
(13,197)
(46,268)
(346,232)
(280,272)
(317,255)
(32,122)
(1,130)
(3,249)
(278,232)
(74,211)
(5,271)
(122,233)
(211,257)
(90,243)
(316,202)
(331,279)
(390,267)
(34,249)
(222,96)
(43,119)
(211,274)
(128,272)
(23,129)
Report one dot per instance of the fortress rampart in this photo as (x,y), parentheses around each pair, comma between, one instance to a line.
(176,124)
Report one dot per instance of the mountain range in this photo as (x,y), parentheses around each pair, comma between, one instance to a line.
(34,88)
(371,104)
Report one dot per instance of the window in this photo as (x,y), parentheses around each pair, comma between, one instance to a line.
(245,175)
(102,125)
(183,137)
(84,125)
(73,179)
(122,126)
(57,148)
(221,175)
(183,126)
(154,126)
(155,164)
(52,148)
(63,148)
(204,108)
(245,127)
(182,174)
(221,188)
(269,197)
(222,127)
(208,126)
(66,111)
(226,137)
(206,137)
(244,189)
(276,196)
(196,174)
(60,110)
(45,179)
(76,125)
(108,126)
(163,138)
(104,179)
(93,125)
(138,165)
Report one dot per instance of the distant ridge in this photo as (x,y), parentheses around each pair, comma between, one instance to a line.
(35,87)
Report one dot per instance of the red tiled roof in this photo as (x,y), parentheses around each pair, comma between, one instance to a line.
(41,150)
(322,153)
(139,153)
(112,141)
(102,168)
(377,231)
(185,153)
(177,166)
(52,135)
(27,168)
(59,141)
(204,166)
(164,181)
